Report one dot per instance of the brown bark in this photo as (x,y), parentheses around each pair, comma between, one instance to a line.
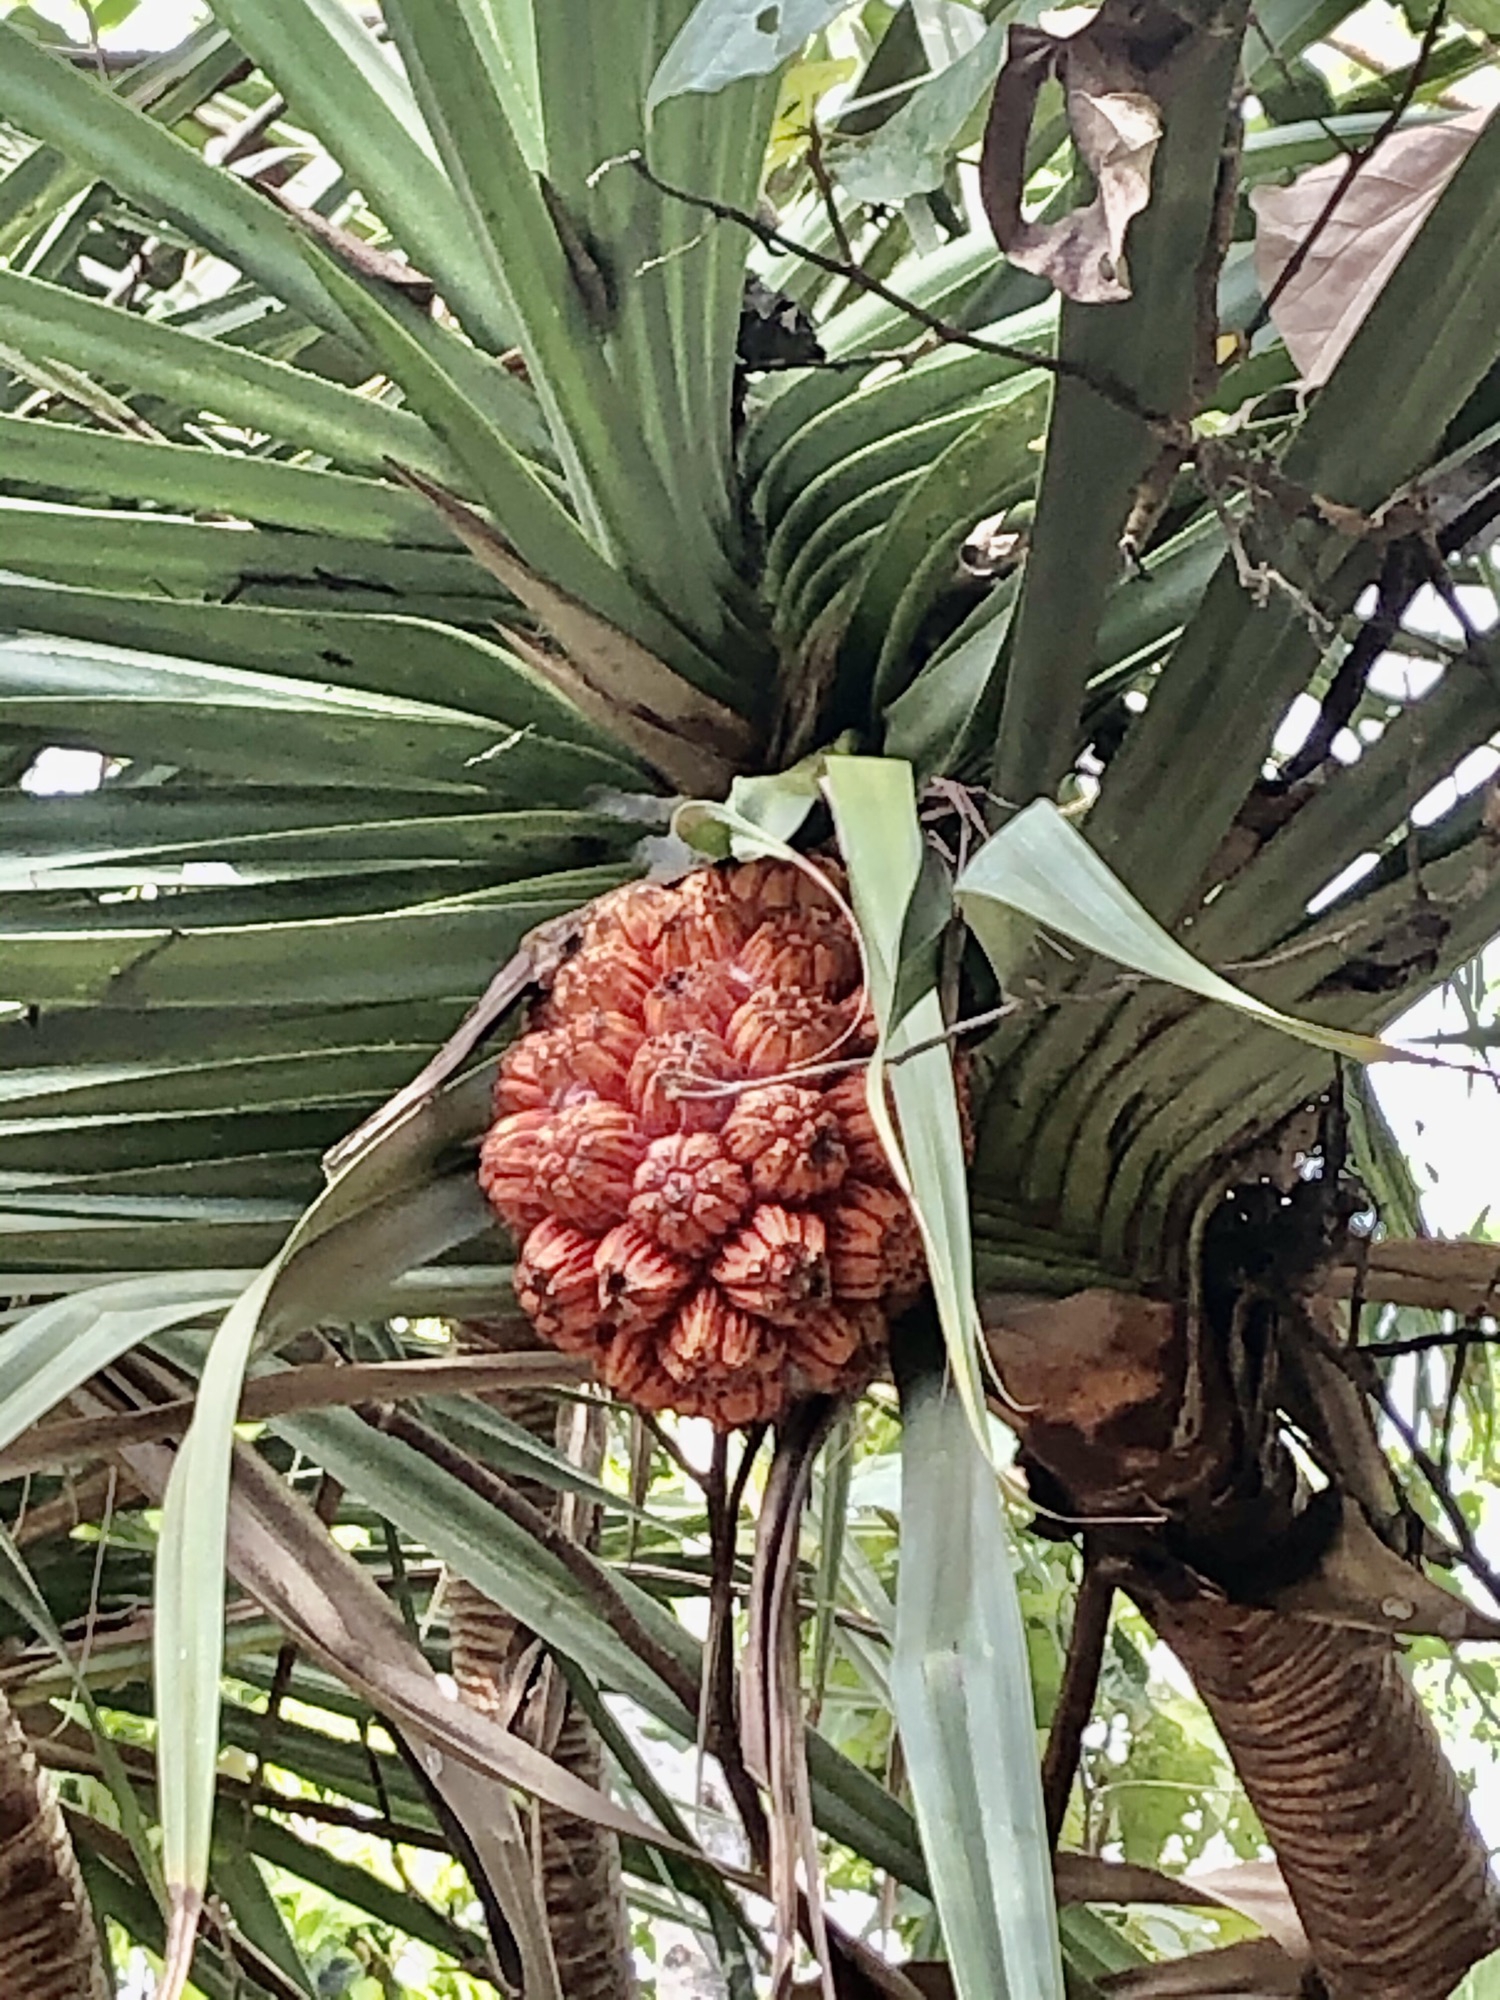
(1342,1763)
(1175,1457)
(500,1671)
(49,1948)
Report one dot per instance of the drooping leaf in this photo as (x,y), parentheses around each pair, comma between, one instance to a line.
(51,1350)
(874,810)
(961,1687)
(1040,866)
(1116,124)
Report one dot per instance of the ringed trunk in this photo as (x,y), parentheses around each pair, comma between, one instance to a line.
(49,1946)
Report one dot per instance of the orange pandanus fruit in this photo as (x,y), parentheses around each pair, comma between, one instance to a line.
(684,1154)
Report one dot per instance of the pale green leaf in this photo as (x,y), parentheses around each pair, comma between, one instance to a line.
(1040,866)
(961,1689)
(49,1352)
(874,809)
(723,40)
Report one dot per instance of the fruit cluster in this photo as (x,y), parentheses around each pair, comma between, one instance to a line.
(683,1150)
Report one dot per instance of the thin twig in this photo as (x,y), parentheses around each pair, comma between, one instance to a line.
(1075,1697)
(1354,164)
(839,267)
(818,167)
(1356,1364)
(1462,1339)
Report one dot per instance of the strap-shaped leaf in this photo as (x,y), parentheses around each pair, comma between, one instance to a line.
(46,96)
(1040,866)
(343,83)
(961,1687)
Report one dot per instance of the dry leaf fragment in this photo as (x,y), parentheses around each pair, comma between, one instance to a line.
(1116,126)
(1365,235)
(365,259)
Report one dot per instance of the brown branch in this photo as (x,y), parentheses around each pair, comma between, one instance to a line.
(1441,1273)
(318,1386)
(1075,1697)
(838,267)
(818,167)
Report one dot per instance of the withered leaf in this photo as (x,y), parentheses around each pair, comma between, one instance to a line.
(1364,237)
(1362,1583)
(366,260)
(694,741)
(1116,125)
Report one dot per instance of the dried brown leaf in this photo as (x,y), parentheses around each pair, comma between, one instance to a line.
(533,963)
(695,742)
(365,259)
(1116,125)
(771,1724)
(1365,235)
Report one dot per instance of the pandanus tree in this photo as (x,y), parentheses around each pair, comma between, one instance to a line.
(431,450)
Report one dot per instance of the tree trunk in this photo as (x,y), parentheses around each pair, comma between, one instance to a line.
(1342,1763)
(1336,1753)
(49,1947)
(500,1671)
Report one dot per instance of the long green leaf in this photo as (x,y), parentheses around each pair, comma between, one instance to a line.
(1430,337)
(337,77)
(961,1688)
(65,457)
(1097,451)
(189,1629)
(874,809)
(162,173)
(1041,866)
(48,1353)
(204,375)
(626,506)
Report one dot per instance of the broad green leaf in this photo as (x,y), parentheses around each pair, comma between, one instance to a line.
(1040,866)
(1480,1982)
(911,152)
(961,1688)
(780,802)
(1098,449)
(724,40)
